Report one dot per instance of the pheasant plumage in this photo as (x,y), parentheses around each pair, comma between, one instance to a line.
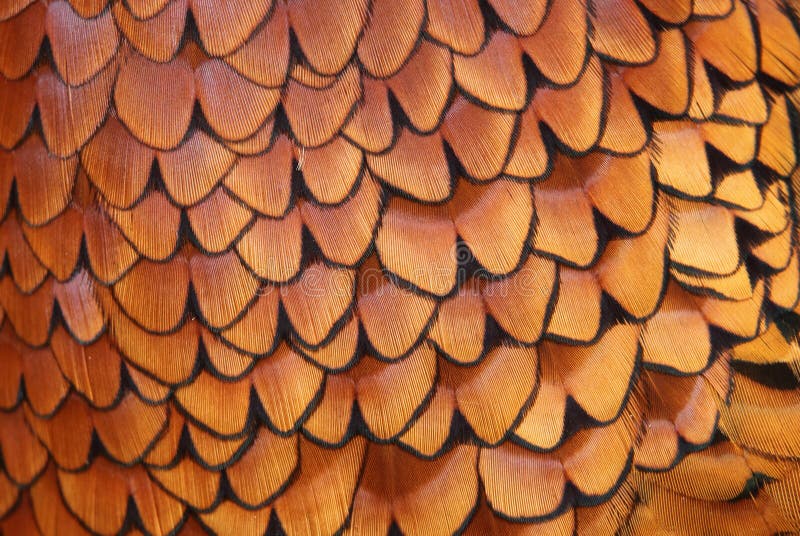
(399,267)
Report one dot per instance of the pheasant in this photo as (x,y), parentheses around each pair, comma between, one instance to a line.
(418,267)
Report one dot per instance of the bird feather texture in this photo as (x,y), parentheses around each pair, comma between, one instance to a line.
(419,267)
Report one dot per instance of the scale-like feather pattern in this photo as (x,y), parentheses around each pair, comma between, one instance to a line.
(378,267)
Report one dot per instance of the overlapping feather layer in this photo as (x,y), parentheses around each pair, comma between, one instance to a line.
(427,266)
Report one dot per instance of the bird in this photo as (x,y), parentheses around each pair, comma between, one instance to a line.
(399,267)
